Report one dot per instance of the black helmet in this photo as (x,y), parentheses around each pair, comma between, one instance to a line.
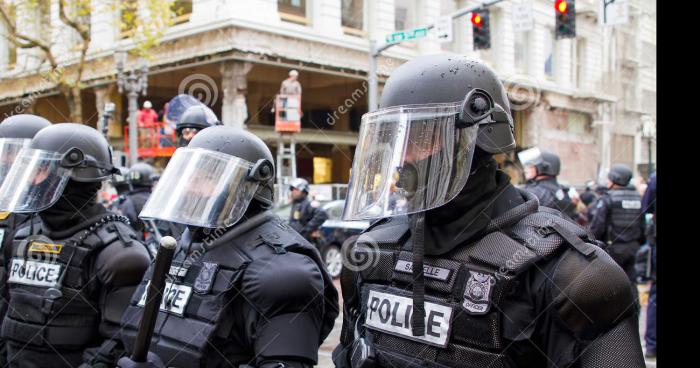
(22,126)
(445,78)
(620,174)
(245,145)
(85,151)
(549,165)
(120,179)
(141,174)
(301,184)
(197,117)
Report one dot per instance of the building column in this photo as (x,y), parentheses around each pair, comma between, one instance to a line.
(234,111)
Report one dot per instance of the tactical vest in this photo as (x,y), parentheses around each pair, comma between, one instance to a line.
(465,290)
(53,299)
(195,324)
(625,213)
(553,195)
(7,223)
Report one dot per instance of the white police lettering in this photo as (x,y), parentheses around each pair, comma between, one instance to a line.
(392,314)
(438,273)
(631,205)
(34,273)
(175,298)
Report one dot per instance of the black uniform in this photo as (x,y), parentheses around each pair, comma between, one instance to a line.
(507,285)
(618,222)
(250,297)
(95,262)
(305,218)
(130,205)
(553,195)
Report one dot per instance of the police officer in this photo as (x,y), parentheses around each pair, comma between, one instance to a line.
(306,218)
(193,120)
(618,219)
(466,270)
(541,171)
(120,182)
(649,207)
(140,177)
(244,288)
(15,133)
(70,274)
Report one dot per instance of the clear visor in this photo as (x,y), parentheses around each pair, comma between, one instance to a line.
(530,157)
(34,183)
(202,188)
(408,159)
(9,148)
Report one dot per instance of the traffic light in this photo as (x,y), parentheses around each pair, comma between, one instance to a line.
(480,30)
(565,12)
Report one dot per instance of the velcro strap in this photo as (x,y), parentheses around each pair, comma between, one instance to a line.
(575,241)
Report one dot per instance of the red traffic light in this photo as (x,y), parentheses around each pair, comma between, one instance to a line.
(561,6)
(476,19)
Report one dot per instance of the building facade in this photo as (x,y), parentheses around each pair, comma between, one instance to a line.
(585,98)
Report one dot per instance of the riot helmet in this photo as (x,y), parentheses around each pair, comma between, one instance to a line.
(546,163)
(620,174)
(415,153)
(56,154)
(141,175)
(120,180)
(301,184)
(211,182)
(194,119)
(15,133)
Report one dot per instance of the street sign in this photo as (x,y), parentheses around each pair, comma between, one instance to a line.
(612,12)
(523,19)
(444,29)
(411,34)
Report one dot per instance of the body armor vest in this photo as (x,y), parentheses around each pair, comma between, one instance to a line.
(553,195)
(53,298)
(465,290)
(197,318)
(625,215)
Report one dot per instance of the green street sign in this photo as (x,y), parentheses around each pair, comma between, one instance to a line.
(411,34)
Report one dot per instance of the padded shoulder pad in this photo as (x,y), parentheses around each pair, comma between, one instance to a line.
(392,230)
(283,283)
(537,232)
(590,295)
(498,250)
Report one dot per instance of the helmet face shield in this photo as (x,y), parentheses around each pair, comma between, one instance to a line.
(203,188)
(530,157)
(9,149)
(409,159)
(35,182)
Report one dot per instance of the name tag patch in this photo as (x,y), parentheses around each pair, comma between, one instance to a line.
(438,273)
(175,298)
(631,205)
(392,314)
(34,273)
(38,247)
(177,271)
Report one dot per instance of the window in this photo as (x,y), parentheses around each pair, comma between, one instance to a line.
(293,11)
(128,17)
(522,45)
(404,14)
(352,17)
(182,11)
(548,44)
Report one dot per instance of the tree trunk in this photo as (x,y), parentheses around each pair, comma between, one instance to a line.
(75,105)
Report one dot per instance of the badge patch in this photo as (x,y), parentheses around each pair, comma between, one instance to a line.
(438,273)
(34,273)
(175,298)
(559,194)
(37,247)
(296,215)
(392,314)
(631,205)
(477,293)
(205,279)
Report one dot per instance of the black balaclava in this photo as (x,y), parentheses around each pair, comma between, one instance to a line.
(76,205)
(486,194)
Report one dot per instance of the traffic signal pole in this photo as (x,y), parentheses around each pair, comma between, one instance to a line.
(375,50)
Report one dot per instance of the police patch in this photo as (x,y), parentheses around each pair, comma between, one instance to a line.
(205,279)
(38,247)
(559,194)
(392,314)
(477,293)
(175,298)
(631,205)
(34,273)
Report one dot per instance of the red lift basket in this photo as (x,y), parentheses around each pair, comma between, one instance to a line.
(288,113)
(152,140)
